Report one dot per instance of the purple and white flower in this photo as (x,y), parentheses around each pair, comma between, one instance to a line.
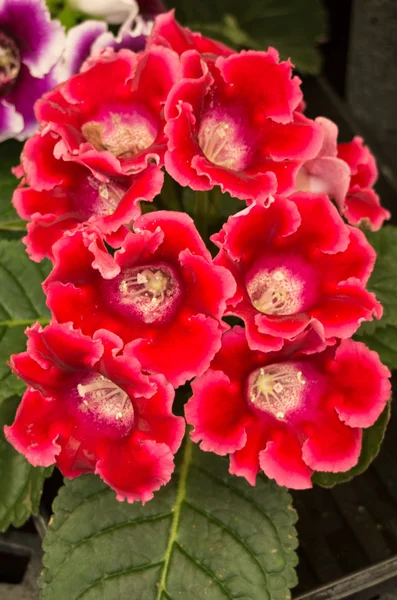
(92,36)
(113,11)
(117,11)
(30,45)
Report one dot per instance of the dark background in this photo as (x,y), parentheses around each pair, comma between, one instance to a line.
(353,527)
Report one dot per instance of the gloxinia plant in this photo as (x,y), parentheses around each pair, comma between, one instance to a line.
(209,269)
(30,45)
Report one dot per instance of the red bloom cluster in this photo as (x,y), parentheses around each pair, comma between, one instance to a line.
(290,393)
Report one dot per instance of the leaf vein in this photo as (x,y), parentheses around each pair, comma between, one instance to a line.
(21,287)
(232,533)
(55,530)
(180,497)
(237,492)
(6,311)
(106,531)
(205,570)
(119,526)
(121,573)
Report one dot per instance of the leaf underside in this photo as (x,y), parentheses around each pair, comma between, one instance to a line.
(207,535)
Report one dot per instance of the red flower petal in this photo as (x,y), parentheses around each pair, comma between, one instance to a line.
(63,346)
(34,432)
(315,209)
(332,448)
(43,233)
(245,462)
(156,420)
(343,310)
(172,353)
(363,208)
(167,32)
(282,460)
(242,185)
(276,101)
(356,261)
(218,414)
(207,286)
(361,162)
(363,383)
(179,232)
(136,469)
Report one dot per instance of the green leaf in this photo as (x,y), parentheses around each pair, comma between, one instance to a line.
(69,17)
(228,31)
(294,28)
(383,281)
(381,335)
(205,535)
(384,341)
(20,483)
(22,302)
(9,157)
(55,6)
(372,440)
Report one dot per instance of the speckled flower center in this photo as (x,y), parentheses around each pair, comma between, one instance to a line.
(122,134)
(10,63)
(276,291)
(106,402)
(221,144)
(153,291)
(276,389)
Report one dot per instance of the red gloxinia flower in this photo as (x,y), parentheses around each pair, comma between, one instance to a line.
(89,408)
(287,413)
(362,202)
(64,194)
(169,33)
(346,172)
(296,264)
(224,131)
(161,292)
(110,117)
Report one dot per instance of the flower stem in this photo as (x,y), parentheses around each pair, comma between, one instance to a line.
(202,211)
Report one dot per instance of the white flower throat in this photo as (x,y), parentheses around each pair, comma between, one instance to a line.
(276,389)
